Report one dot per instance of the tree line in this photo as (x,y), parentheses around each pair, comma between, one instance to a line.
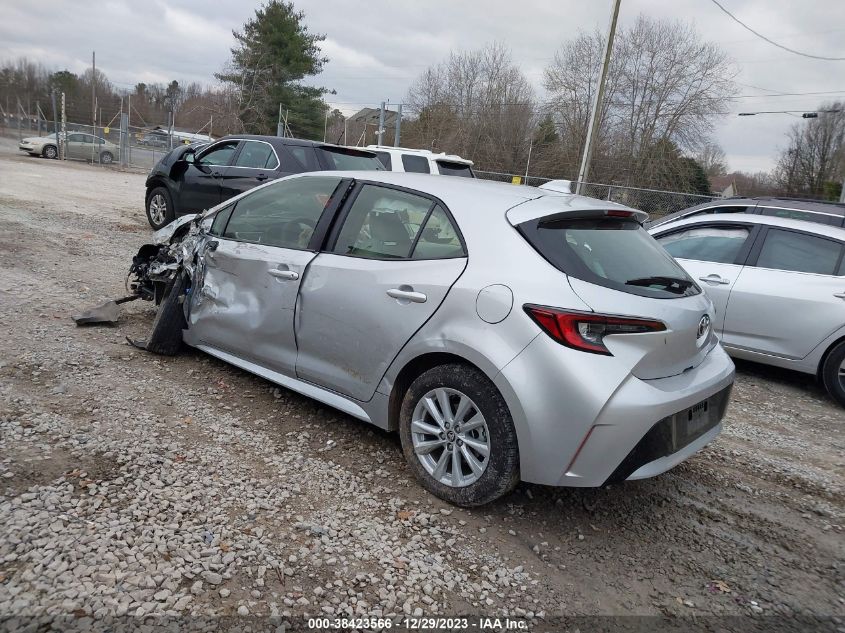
(666,88)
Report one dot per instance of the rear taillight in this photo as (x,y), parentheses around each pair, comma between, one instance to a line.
(585,331)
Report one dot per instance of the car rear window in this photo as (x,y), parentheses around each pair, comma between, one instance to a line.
(615,253)
(345,159)
(449,168)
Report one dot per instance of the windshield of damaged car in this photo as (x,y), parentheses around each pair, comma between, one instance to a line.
(282,214)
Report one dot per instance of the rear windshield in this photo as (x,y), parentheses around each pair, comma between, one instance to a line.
(617,254)
(346,159)
(448,168)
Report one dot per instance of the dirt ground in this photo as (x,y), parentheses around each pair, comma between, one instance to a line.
(137,484)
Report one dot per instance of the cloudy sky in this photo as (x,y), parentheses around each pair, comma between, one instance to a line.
(377,47)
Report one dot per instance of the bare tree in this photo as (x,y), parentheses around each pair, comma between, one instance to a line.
(814,162)
(711,157)
(477,104)
(664,89)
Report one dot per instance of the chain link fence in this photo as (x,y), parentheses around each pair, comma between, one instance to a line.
(132,146)
(655,202)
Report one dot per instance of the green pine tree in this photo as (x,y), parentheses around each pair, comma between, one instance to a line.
(274,53)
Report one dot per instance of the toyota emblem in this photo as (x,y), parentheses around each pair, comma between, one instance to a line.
(703,326)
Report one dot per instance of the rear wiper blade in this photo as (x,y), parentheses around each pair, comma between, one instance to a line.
(672,284)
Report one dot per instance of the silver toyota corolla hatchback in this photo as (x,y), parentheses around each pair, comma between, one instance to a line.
(508,333)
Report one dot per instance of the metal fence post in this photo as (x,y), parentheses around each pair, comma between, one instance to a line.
(124,139)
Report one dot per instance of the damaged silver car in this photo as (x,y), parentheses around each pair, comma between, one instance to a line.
(508,333)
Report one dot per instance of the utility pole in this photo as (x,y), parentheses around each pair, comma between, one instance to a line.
(94,89)
(528,162)
(63,143)
(279,129)
(595,115)
(397,135)
(380,123)
(55,117)
(326,125)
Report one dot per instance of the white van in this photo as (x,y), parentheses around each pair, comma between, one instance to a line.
(422,161)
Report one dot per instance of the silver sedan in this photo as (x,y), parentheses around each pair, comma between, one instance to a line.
(778,286)
(507,333)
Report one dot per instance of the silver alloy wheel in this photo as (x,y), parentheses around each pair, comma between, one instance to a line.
(841,374)
(158,209)
(106,158)
(50,152)
(450,437)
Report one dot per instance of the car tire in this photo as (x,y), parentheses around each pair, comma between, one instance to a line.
(833,382)
(106,158)
(160,211)
(166,334)
(50,151)
(500,472)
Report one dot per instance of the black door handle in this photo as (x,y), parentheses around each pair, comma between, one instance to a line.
(262,177)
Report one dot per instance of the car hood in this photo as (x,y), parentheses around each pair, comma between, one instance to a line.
(37,139)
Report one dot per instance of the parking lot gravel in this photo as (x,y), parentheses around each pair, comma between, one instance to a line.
(137,485)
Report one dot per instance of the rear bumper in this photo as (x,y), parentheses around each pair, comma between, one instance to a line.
(586,426)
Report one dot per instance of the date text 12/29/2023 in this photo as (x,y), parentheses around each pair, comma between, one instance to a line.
(421,623)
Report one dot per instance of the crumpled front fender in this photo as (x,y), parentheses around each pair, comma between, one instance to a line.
(165,234)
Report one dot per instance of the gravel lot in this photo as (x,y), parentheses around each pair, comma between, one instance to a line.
(135,484)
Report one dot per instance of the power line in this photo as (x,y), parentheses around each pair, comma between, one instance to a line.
(773,43)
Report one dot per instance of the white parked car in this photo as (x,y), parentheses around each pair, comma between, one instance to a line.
(778,286)
(40,146)
(422,161)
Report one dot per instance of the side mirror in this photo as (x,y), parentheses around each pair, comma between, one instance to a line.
(188,157)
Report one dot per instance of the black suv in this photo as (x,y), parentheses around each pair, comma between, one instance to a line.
(832,213)
(189,179)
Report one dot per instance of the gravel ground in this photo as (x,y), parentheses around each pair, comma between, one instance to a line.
(135,484)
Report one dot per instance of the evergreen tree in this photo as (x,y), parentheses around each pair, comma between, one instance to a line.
(274,53)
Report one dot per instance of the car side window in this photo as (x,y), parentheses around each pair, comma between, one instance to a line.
(304,159)
(220,220)
(257,155)
(415,164)
(719,244)
(799,252)
(439,239)
(382,224)
(283,214)
(384,158)
(220,154)
(796,214)
(75,138)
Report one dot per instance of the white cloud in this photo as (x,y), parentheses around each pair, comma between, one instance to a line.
(378,47)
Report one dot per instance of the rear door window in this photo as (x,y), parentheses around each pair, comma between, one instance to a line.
(415,164)
(617,254)
(439,238)
(257,155)
(382,223)
(720,244)
(450,168)
(799,252)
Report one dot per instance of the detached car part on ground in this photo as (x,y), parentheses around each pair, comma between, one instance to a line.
(506,332)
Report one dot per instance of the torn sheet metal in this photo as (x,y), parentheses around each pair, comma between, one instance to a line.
(108,312)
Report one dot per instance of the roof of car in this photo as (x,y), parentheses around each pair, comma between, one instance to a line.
(419,152)
(745,218)
(284,140)
(468,195)
(786,203)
